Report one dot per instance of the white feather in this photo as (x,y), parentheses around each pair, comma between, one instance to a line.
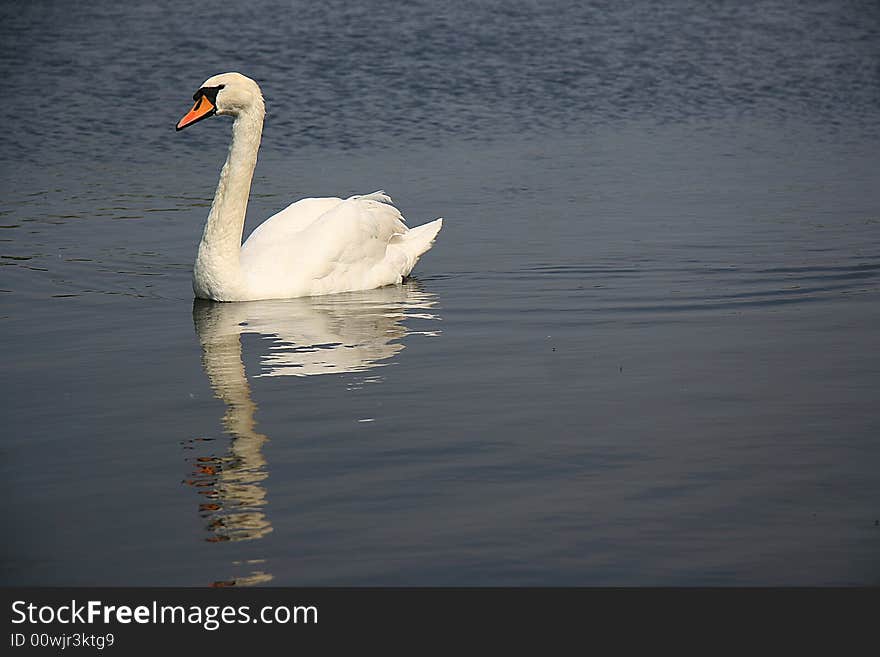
(314,246)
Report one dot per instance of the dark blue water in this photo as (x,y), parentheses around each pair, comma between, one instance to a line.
(642,351)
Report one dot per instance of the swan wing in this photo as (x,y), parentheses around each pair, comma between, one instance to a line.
(351,245)
(286,223)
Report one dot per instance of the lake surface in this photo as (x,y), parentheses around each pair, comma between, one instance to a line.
(643,350)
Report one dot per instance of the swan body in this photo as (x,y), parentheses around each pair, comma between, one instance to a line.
(312,247)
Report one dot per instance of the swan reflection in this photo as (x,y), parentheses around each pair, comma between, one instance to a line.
(335,334)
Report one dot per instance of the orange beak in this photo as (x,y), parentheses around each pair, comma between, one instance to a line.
(201,110)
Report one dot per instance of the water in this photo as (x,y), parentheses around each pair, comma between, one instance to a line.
(642,351)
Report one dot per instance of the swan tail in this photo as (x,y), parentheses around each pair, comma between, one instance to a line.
(417,240)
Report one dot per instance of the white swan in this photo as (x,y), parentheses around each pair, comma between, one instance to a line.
(312,247)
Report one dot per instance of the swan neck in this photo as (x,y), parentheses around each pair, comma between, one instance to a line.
(217,273)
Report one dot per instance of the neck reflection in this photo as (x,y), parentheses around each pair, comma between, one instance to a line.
(336,334)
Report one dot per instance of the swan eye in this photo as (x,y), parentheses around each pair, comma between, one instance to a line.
(209,92)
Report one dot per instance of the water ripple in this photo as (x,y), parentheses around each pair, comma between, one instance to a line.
(653,289)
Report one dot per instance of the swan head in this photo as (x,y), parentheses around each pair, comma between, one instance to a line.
(229,94)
